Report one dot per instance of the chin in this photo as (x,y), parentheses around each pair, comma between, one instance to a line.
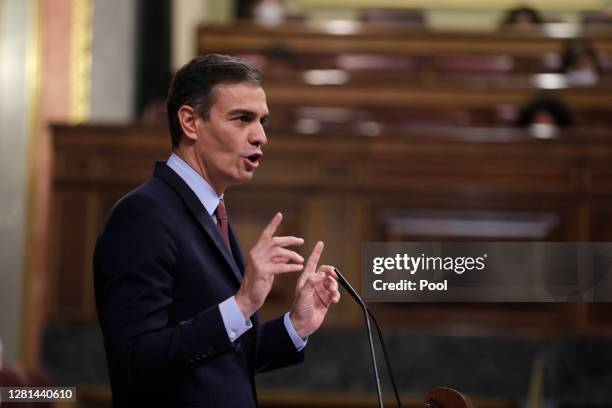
(244,177)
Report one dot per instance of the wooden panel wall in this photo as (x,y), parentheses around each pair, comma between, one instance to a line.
(347,189)
(350,37)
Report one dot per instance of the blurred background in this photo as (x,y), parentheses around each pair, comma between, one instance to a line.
(405,120)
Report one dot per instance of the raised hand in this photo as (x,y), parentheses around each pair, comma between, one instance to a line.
(316,290)
(265,260)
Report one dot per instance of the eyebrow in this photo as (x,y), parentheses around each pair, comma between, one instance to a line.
(241,111)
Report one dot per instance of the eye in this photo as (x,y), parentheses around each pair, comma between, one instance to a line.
(242,120)
(264,121)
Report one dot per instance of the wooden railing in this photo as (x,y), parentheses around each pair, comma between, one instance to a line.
(332,44)
(454,101)
(336,37)
(347,189)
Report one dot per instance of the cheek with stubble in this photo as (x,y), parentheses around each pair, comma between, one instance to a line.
(236,168)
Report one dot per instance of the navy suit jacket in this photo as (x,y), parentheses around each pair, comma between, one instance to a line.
(161,268)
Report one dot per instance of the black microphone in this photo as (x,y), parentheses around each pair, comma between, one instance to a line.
(367,314)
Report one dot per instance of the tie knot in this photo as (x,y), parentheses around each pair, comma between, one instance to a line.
(220,211)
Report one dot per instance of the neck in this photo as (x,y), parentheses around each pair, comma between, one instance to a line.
(189,157)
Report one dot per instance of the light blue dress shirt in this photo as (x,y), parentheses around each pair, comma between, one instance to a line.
(233,319)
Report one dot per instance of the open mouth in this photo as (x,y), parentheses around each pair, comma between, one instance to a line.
(253,159)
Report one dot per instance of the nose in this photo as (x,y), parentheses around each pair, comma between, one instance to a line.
(258,136)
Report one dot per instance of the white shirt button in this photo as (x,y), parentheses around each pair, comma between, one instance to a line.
(232,334)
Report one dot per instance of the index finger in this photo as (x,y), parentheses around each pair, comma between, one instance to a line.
(313,259)
(270,229)
(311,264)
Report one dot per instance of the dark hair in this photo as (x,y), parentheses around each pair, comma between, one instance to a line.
(194,85)
(574,51)
(560,113)
(512,15)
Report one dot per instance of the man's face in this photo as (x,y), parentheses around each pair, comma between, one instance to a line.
(230,142)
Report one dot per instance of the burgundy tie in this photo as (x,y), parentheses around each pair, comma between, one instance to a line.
(221,214)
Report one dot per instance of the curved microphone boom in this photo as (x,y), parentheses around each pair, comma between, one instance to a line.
(367,314)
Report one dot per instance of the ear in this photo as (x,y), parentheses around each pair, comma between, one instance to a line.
(188,119)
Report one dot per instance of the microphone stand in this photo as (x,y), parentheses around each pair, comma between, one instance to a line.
(367,314)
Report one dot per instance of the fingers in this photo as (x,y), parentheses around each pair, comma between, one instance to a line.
(270,229)
(313,259)
(324,285)
(287,255)
(288,268)
(332,289)
(331,283)
(311,264)
(269,251)
(329,271)
(327,291)
(287,241)
(335,298)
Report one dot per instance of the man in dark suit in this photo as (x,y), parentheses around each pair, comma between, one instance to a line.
(176,299)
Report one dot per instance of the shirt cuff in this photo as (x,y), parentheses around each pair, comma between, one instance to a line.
(298,342)
(233,319)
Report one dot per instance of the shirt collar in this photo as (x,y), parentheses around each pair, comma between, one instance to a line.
(205,193)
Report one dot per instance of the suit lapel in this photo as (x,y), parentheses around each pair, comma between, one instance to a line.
(166,174)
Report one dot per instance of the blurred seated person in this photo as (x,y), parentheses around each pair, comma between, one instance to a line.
(404,17)
(596,18)
(266,12)
(521,19)
(280,60)
(544,116)
(276,60)
(580,63)
(269,12)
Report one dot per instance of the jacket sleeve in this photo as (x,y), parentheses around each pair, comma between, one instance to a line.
(134,274)
(276,349)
